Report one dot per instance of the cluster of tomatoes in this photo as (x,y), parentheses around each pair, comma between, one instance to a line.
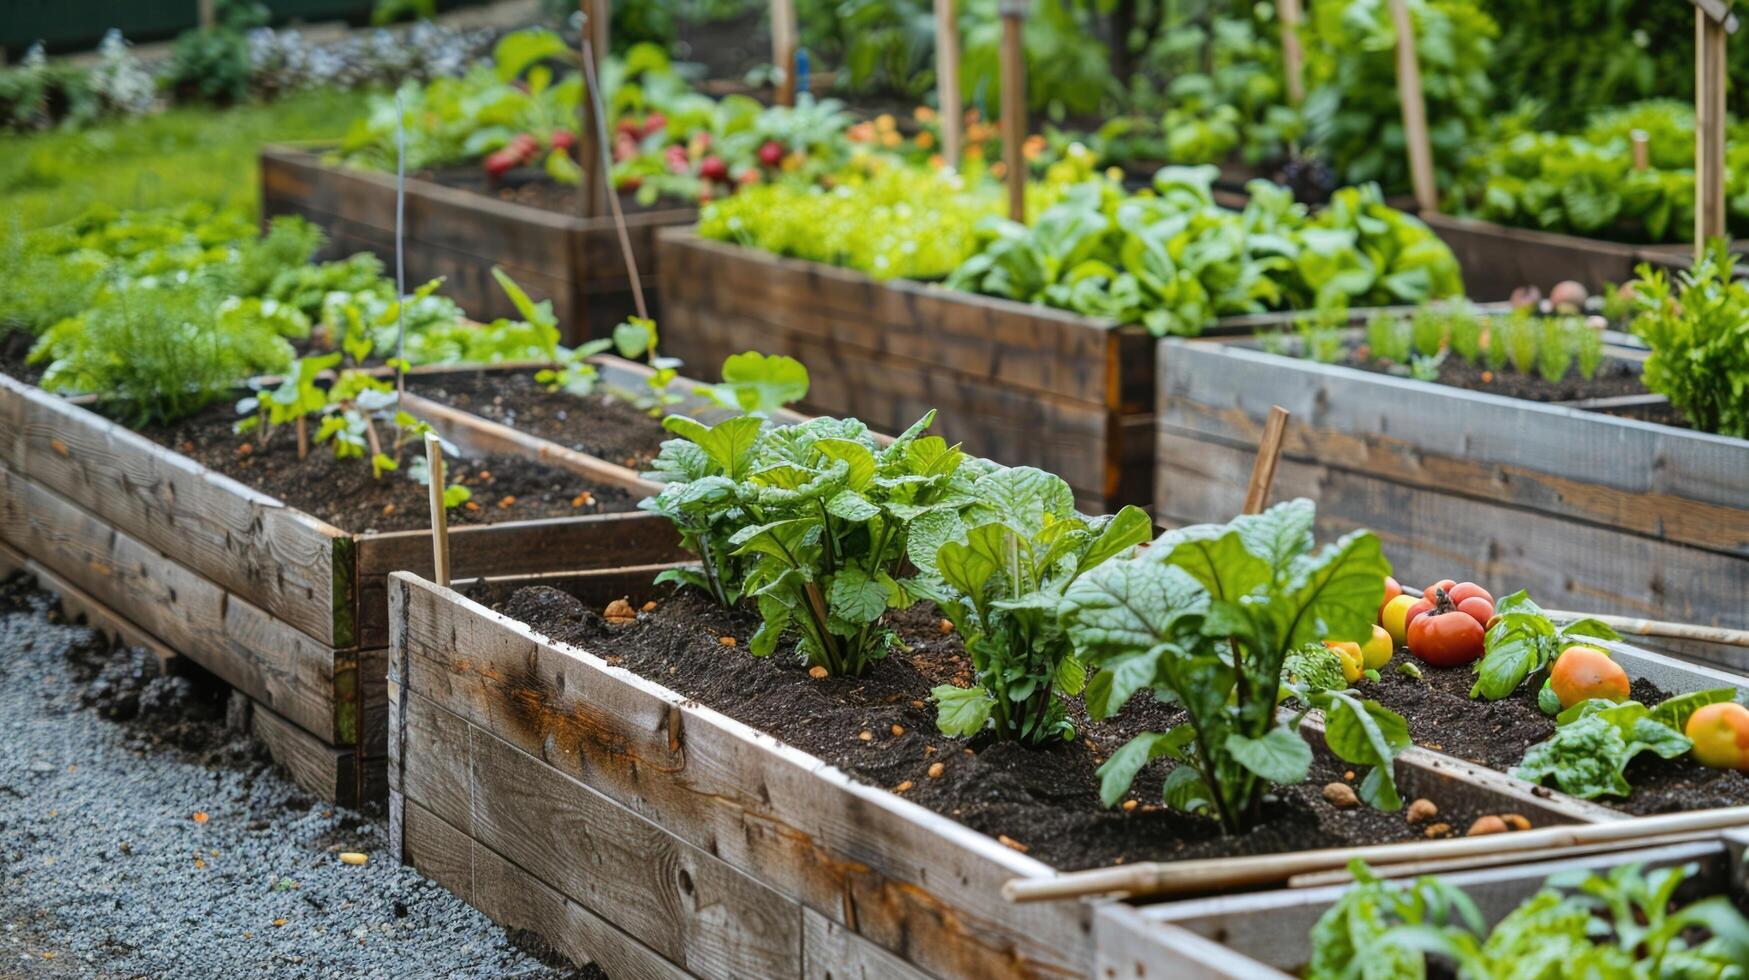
(1445,626)
(522,149)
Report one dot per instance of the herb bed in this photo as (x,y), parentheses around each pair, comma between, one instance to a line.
(461,234)
(765,832)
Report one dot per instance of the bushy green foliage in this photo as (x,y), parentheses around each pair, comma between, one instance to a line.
(1588,755)
(210,65)
(1547,346)
(1622,923)
(1698,329)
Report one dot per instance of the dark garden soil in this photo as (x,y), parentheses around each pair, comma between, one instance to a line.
(881,729)
(15,346)
(1614,378)
(601,424)
(343,492)
(1495,734)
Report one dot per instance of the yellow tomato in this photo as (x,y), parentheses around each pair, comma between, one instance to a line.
(1721,735)
(1376,652)
(1395,618)
(1353,664)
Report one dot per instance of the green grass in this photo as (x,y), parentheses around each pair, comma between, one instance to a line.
(184,154)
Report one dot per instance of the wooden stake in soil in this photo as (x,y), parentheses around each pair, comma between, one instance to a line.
(597,17)
(1414,110)
(1218,874)
(1642,143)
(1709,126)
(1632,626)
(783,48)
(439,513)
(1268,454)
(1292,55)
(205,12)
(947,79)
(1014,102)
(303,438)
(591,82)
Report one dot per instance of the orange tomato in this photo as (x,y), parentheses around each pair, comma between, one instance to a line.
(1582,673)
(1720,733)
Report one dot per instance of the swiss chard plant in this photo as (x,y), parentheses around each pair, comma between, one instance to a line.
(1621,923)
(1589,753)
(1207,618)
(1019,546)
(1522,641)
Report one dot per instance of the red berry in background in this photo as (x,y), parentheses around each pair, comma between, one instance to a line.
(713,168)
(629,184)
(676,159)
(629,127)
(624,148)
(500,163)
(564,140)
(771,153)
(653,122)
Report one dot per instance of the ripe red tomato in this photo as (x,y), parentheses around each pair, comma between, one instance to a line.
(1446,636)
(1466,590)
(1479,609)
(1421,607)
(1444,583)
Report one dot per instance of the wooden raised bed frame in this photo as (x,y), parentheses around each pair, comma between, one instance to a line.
(286,608)
(1497,259)
(1263,935)
(460,235)
(633,826)
(1588,511)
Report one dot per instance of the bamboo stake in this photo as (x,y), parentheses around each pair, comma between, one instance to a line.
(597,18)
(439,513)
(1709,129)
(303,438)
(592,83)
(1218,874)
(1413,869)
(1293,57)
(783,48)
(1014,103)
(1642,143)
(205,13)
(1268,454)
(1414,110)
(947,80)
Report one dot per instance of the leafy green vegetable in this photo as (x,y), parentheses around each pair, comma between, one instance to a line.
(1621,923)
(1698,330)
(1523,641)
(1594,744)
(1207,618)
(1016,549)
(759,384)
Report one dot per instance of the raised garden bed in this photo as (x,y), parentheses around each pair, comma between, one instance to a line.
(795,823)
(1021,384)
(1498,259)
(1267,935)
(275,600)
(1589,511)
(460,233)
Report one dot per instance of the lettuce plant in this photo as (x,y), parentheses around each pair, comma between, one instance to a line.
(1019,547)
(1621,923)
(1589,753)
(1206,618)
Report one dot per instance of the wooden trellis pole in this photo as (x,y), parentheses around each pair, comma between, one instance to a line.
(1712,22)
(783,48)
(205,14)
(1014,102)
(1414,110)
(1293,57)
(947,79)
(597,18)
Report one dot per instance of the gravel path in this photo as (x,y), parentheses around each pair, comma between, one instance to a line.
(139,838)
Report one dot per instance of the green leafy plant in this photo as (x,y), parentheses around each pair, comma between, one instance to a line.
(1621,923)
(1698,329)
(1522,641)
(210,65)
(1206,618)
(758,384)
(1019,549)
(1465,335)
(1388,338)
(1588,351)
(1589,753)
(1427,329)
(1557,347)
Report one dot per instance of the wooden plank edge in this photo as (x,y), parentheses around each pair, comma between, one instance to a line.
(77,604)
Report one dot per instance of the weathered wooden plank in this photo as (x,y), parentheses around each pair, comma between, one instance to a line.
(473,434)
(288,563)
(1131,946)
(77,606)
(1496,259)
(517,900)
(1430,535)
(569,543)
(832,952)
(323,770)
(246,647)
(1642,477)
(908,880)
(687,905)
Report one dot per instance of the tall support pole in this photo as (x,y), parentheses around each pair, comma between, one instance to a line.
(1014,103)
(783,48)
(1709,128)
(947,79)
(1414,110)
(205,13)
(1293,57)
(597,17)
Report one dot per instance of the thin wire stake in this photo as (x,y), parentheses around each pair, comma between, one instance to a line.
(619,216)
(400,263)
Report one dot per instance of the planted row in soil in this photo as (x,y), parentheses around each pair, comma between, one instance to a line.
(343,492)
(1443,717)
(1614,379)
(601,424)
(532,187)
(880,728)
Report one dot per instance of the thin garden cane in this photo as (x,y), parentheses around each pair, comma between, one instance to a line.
(619,217)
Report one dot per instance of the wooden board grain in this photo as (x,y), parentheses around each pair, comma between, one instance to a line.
(78,606)
(918,885)
(285,562)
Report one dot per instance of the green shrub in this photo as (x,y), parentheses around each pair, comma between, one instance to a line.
(1698,329)
(212,66)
